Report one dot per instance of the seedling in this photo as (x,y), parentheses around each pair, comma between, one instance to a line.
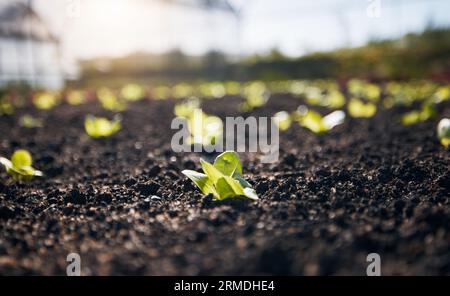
(99,127)
(443,132)
(256,95)
(427,111)
(313,121)
(20,166)
(110,101)
(334,99)
(132,92)
(45,100)
(6,108)
(182,90)
(358,108)
(29,121)
(187,108)
(223,179)
(283,120)
(212,90)
(76,97)
(204,129)
(442,94)
(161,92)
(363,89)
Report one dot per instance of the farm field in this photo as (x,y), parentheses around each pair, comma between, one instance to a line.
(377,181)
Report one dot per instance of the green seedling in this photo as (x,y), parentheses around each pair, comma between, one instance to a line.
(6,108)
(29,121)
(182,90)
(110,101)
(317,123)
(443,131)
(214,90)
(187,108)
(161,92)
(283,120)
(334,99)
(45,100)
(357,108)
(360,88)
(256,95)
(20,166)
(442,94)
(204,129)
(99,127)
(132,92)
(223,179)
(426,112)
(76,97)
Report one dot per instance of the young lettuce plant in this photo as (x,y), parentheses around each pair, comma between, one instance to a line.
(20,166)
(6,107)
(109,100)
(443,131)
(357,108)
(283,120)
(204,129)
(317,123)
(45,100)
(132,92)
(99,127)
(426,112)
(223,179)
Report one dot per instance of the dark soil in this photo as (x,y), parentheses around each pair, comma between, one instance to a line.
(370,185)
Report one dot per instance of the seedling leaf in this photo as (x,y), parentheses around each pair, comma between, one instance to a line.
(21,158)
(228,163)
(202,182)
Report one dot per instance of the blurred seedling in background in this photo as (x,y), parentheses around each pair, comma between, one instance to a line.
(317,123)
(204,129)
(256,95)
(357,108)
(363,89)
(100,127)
(132,92)
(76,97)
(442,94)
(215,90)
(182,90)
(45,100)
(223,179)
(426,112)
(20,166)
(187,108)
(283,120)
(29,121)
(6,106)
(161,92)
(109,100)
(443,132)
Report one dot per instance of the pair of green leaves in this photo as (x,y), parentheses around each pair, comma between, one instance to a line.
(426,112)
(99,127)
(223,179)
(20,166)
(317,123)
(358,109)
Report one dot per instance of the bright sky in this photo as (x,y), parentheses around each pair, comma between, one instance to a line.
(90,28)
